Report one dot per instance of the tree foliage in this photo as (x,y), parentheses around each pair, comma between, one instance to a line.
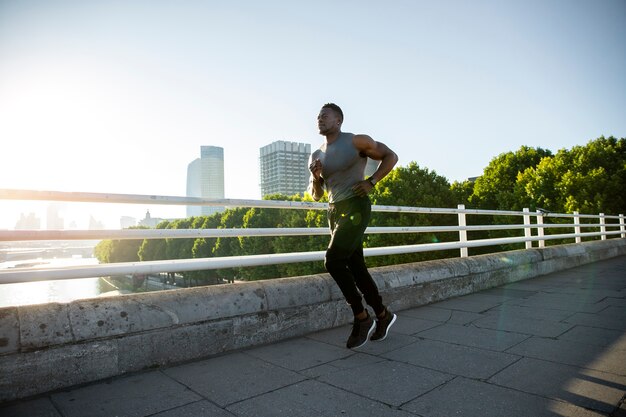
(587,179)
(497,188)
(410,186)
(123,250)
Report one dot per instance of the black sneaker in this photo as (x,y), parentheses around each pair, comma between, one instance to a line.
(361,331)
(383,325)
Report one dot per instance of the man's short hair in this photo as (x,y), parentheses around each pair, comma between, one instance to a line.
(335,108)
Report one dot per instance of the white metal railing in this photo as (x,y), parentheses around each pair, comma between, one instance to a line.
(601,228)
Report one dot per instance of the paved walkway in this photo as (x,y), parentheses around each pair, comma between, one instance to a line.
(551,346)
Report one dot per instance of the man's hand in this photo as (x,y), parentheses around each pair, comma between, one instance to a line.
(315,187)
(316,169)
(362,188)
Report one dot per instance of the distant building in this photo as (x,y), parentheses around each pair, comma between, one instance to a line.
(127,222)
(284,168)
(149,221)
(28,222)
(53,220)
(193,186)
(205,179)
(95,224)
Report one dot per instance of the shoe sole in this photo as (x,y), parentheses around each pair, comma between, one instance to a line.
(393,320)
(369,333)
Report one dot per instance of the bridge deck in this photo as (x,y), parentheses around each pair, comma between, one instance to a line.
(551,346)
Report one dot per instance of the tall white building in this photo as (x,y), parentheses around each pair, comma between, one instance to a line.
(284,168)
(53,219)
(205,179)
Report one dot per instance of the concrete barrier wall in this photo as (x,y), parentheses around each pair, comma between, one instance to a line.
(52,346)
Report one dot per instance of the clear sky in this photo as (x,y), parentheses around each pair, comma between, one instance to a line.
(118,96)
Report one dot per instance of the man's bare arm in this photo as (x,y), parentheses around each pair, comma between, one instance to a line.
(379,152)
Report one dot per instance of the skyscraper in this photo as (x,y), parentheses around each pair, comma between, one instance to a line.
(284,167)
(53,219)
(205,179)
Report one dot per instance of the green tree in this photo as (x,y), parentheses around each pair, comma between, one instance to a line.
(179,248)
(102,251)
(282,218)
(411,186)
(595,177)
(125,250)
(588,179)
(229,246)
(154,249)
(463,191)
(255,245)
(122,250)
(203,248)
(497,188)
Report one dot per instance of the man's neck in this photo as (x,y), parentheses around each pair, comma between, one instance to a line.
(332,136)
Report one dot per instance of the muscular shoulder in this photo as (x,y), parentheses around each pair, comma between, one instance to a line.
(363,143)
(371,148)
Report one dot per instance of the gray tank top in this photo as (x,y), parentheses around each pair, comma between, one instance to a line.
(342,167)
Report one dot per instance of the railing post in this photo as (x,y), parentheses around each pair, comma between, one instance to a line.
(462,233)
(542,242)
(602,226)
(622,226)
(527,231)
(577,227)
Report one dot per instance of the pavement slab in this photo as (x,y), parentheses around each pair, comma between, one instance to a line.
(527,326)
(299,354)
(474,337)
(563,302)
(411,326)
(232,378)
(435,312)
(602,321)
(198,409)
(470,304)
(470,398)
(313,398)
(542,313)
(615,339)
(135,396)
(582,387)
(392,383)
(453,359)
(616,302)
(40,407)
(338,337)
(573,353)
(354,361)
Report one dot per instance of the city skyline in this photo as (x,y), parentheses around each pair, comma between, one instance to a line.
(205,179)
(98,97)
